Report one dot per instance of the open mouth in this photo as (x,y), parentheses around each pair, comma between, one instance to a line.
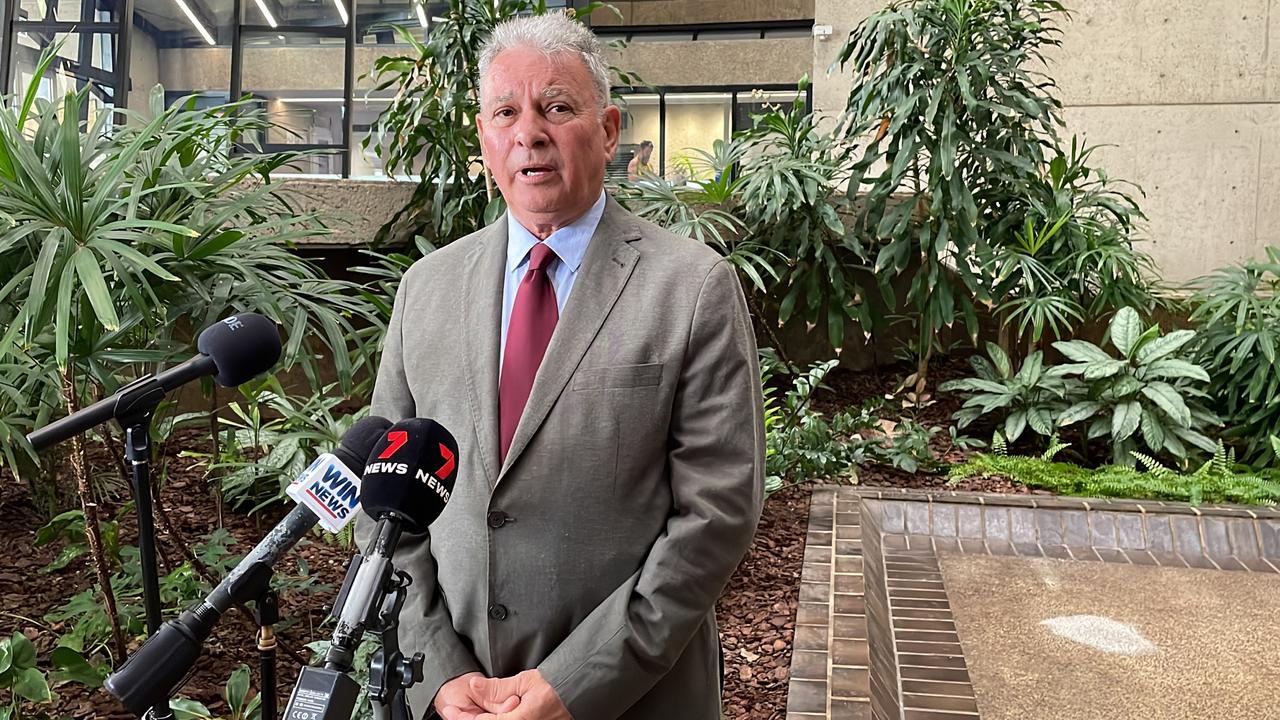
(534,171)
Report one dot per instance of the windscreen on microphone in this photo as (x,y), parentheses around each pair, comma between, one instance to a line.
(359,440)
(243,346)
(410,473)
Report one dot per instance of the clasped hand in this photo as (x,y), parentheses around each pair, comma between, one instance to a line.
(526,696)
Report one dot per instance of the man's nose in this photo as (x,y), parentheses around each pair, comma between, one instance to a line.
(531,131)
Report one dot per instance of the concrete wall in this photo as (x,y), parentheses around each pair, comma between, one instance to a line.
(676,12)
(1189,95)
(144,71)
(357,208)
(714,63)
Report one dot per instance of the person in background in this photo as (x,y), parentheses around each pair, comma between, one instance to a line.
(639,164)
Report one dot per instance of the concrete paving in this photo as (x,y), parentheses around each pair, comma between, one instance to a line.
(1064,640)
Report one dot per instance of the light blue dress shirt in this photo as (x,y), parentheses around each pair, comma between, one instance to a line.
(570,245)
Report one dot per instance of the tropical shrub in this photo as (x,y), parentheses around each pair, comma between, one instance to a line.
(1237,313)
(1149,396)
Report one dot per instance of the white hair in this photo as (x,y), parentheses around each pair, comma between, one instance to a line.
(552,34)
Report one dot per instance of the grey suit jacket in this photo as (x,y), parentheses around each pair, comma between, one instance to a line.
(632,488)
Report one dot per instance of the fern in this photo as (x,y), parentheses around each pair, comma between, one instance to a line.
(1216,481)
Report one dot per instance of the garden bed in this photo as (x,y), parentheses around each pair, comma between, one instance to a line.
(757,611)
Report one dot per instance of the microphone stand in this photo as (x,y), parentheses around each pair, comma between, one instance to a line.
(391,674)
(136,423)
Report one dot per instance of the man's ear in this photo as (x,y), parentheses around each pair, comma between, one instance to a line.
(612,119)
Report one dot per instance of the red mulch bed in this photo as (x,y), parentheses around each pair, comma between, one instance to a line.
(757,611)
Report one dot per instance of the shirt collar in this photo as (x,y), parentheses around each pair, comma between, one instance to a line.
(569,242)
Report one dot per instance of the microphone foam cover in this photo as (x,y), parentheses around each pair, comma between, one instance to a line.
(410,473)
(242,346)
(359,440)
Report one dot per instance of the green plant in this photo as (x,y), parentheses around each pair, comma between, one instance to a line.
(790,200)
(428,130)
(1072,257)
(799,443)
(23,682)
(1150,396)
(957,119)
(271,439)
(1027,397)
(364,653)
(1216,481)
(68,528)
(1237,313)
(236,693)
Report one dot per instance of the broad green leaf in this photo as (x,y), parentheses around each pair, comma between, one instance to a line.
(1126,326)
(1029,373)
(1125,420)
(1014,425)
(1078,412)
(24,653)
(30,684)
(215,245)
(74,668)
(1103,369)
(6,655)
(1152,430)
(1170,401)
(184,709)
(1082,351)
(1040,420)
(1164,346)
(1174,369)
(238,689)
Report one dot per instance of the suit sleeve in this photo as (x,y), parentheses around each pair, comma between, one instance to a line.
(716,463)
(425,622)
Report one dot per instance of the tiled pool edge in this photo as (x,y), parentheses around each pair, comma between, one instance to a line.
(872,596)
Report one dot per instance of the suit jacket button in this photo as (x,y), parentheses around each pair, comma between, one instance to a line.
(498,611)
(497,519)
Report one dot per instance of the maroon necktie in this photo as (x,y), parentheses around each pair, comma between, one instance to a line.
(533,319)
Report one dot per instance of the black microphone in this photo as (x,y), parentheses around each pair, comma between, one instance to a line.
(158,668)
(406,483)
(233,350)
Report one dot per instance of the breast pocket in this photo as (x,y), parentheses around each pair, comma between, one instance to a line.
(622,376)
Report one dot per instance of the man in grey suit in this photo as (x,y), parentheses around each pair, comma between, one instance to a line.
(600,375)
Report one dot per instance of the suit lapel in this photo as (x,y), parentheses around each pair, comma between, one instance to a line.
(482,315)
(604,272)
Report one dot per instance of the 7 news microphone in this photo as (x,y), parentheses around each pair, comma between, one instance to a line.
(328,492)
(409,478)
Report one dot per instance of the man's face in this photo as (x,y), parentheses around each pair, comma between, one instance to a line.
(544,136)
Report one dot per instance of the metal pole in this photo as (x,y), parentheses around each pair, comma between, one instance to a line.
(124,40)
(138,452)
(348,89)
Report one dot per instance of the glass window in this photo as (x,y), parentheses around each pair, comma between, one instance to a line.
(694,122)
(83,59)
(309,13)
(172,48)
(299,80)
(640,121)
(67,10)
(757,102)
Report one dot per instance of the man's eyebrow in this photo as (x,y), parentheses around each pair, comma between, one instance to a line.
(505,97)
(555,91)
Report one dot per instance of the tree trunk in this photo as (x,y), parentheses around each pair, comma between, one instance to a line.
(90,508)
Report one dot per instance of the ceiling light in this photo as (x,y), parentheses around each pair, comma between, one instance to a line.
(342,11)
(422,15)
(262,5)
(196,21)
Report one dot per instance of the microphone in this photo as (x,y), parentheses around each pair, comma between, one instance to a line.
(163,662)
(409,478)
(407,481)
(233,350)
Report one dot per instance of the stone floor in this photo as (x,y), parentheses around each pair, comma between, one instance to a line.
(877,636)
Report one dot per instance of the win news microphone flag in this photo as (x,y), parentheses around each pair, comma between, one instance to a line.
(409,477)
(329,488)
